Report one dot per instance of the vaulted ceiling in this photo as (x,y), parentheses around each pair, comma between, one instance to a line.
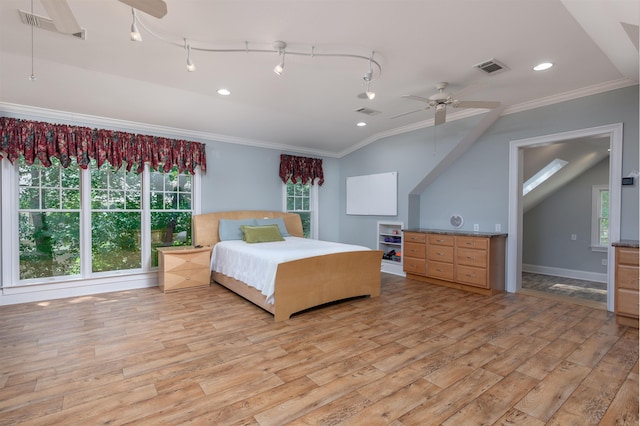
(312,107)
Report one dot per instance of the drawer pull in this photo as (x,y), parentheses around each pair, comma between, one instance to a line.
(440,254)
(471,244)
(439,270)
(471,257)
(440,241)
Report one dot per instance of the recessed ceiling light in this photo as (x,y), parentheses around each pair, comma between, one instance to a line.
(361,124)
(224,92)
(543,66)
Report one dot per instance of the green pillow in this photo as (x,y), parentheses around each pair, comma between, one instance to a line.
(261,234)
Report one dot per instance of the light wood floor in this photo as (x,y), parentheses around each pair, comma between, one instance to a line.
(417,355)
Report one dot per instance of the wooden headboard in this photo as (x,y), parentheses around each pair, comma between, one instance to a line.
(205,226)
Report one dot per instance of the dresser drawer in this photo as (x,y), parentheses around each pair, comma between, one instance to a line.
(627,277)
(627,303)
(627,256)
(177,261)
(473,276)
(415,237)
(440,253)
(471,257)
(443,271)
(414,266)
(472,242)
(415,250)
(440,240)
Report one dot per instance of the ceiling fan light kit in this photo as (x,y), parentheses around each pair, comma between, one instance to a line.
(439,101)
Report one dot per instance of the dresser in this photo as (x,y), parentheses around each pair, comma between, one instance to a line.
(627,277)
(183,267)
(471,261)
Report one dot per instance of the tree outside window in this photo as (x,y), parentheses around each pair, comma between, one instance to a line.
(301,199)
(51,221)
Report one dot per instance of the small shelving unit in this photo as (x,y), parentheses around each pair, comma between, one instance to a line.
(389,241)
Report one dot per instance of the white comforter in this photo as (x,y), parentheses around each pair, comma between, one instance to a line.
(256,264)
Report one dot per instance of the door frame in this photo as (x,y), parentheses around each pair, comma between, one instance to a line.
(516,155)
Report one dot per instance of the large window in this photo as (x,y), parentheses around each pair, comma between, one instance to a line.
(302,199)
(73,223)
(600,217)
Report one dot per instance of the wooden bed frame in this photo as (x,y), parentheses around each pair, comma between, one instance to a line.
(300,284)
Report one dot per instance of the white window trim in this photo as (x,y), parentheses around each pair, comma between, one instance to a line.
(313,207)
(595,216)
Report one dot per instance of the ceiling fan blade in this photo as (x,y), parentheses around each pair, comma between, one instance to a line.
(155,8)
(416,98)
(62,16)
(475,104)
(441,115)
(407,113)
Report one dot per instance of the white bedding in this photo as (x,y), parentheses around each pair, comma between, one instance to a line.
(256,264)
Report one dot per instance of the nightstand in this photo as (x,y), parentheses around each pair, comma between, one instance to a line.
(183,267)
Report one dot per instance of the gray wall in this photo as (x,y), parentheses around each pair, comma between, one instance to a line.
(547,227)
(246,178)
(476,185)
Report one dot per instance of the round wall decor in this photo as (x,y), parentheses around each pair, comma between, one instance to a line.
(456,221)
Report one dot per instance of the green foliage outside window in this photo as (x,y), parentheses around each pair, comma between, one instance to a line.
(298,201)
(49,218)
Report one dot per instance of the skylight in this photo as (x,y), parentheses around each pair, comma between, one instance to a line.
(543,174)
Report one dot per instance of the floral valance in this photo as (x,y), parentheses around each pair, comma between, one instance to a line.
(43,141)
(301,169)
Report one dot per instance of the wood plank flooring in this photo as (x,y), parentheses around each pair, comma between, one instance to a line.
(417,355)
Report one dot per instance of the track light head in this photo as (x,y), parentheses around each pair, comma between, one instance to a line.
(135,34)
(280,67)
(191,67)
(280,46)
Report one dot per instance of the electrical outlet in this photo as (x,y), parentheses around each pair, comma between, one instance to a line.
(498,227)
(574,237)
(476,227)
(604,262)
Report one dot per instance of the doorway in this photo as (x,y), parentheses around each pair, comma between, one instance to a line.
(516,203)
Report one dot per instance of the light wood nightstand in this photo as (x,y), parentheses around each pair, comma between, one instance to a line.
(183,267)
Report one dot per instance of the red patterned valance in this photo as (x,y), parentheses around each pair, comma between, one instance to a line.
(43,141)
(301,169)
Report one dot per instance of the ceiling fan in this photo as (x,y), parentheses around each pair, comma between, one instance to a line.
(441,100)
(65,22)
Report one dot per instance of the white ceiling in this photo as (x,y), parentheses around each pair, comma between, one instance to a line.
(311,106)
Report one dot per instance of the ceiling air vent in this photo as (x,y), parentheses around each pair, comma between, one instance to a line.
(46,24)
(492,66)
(367,111)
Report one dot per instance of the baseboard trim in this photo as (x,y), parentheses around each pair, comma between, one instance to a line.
(565,273)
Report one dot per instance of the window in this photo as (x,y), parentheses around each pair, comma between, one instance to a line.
(302,199)
(48,221)
(73,223)
(600,217)
(171,210)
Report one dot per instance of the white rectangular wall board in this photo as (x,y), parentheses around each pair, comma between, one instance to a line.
(375,194)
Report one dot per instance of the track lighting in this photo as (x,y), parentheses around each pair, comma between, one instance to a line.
(191,67)
(367,78)
(280,45)
(135,34)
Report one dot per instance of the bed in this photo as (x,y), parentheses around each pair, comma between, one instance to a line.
(299,284)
